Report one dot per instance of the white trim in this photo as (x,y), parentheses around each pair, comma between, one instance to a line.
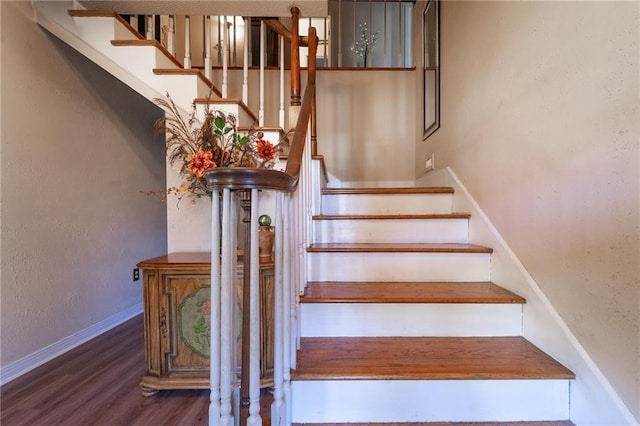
(24,365)
(605,385)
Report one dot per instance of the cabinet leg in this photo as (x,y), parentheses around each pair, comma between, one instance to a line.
(147,392)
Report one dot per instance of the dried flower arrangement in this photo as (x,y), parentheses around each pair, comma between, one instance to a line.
(200,146)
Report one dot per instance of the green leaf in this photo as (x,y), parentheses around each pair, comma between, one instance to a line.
(219,122)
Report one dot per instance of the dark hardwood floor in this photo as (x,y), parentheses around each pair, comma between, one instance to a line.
(97,383)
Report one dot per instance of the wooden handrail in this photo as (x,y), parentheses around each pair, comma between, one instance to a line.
(306,113)
(277,26)
(311,79)
(300,134)
(280,29)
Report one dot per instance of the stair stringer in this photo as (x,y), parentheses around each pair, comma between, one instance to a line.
(592,398)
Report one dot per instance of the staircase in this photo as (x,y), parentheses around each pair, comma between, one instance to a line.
(400,322)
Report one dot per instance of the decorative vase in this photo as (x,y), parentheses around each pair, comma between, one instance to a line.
(265,244)
(266,236)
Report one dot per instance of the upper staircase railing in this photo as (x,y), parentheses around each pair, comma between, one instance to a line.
(238,195)
(230,37)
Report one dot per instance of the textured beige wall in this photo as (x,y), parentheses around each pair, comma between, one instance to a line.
(540,120)
(77,147)
(362,129)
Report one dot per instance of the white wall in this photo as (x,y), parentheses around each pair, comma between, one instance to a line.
(539,119)
(77,149)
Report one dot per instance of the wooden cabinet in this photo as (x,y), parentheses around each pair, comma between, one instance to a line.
(176,289)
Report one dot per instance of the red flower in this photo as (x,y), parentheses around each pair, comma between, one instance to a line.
(201,162)
(206,307)
(265,149)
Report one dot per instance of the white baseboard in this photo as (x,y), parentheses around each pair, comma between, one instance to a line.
(593,400)
(24,365)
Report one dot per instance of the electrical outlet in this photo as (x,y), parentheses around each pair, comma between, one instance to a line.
(430,163)
(136,274)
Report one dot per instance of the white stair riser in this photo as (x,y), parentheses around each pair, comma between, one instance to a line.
(429,400)
(410,319)
(175,84)
(386,203)
(242,118)
(391,231)
(141,61)
(403,266)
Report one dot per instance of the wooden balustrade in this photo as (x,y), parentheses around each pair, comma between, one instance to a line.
(236,190)
(292,223)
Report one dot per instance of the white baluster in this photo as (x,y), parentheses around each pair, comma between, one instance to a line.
(214,360)
(151,27)
(233,302)
(219,44)
(207,46)
(262,65)
(354,26)
(171,36)
(288,356)
(384,38)
(187,42)
(327,59)
(245,61)
(133,21)
(400,52)
(234,62)
(278,413)
(281,115)
(295,276)
(254,319)
(225,57)
(228,286)
(339,33)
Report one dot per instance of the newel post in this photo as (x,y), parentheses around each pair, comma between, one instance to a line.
(311,61)
(296,99)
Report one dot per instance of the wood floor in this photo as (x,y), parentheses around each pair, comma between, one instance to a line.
(98,384)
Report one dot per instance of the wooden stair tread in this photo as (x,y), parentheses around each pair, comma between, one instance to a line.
(420,358)
(96,13)
(408,292)
(393,216)
(519,423)
(399,190)
(398,248)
